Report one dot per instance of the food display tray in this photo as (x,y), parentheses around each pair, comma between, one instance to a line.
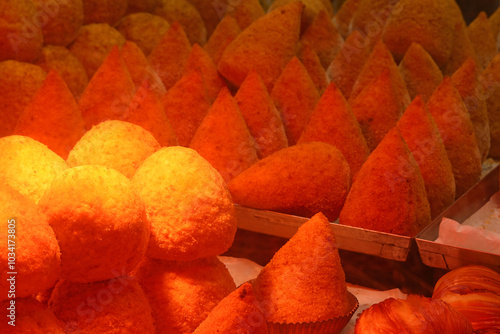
(448,257)
(385,245)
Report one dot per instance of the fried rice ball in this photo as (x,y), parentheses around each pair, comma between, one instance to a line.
(19,81)
(144,29)
(136,6)
(187,203)
(104,11)
(120,145)
(28,165)
(182,293)
(118,305)
(99,221)
(27,234)
(93,44)
(60,59)
(61,20)
(31,316)
(20,37)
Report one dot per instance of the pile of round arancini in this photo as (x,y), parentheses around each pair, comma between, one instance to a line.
(122,237)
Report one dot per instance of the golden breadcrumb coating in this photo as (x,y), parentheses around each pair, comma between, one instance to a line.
(239,312)
(182,293)
(28,165)
(104,11)
(26,232)
(302,180)
(31,317)
(388,194)
(114,306)
(304,281)
(144,29)
(187,203)
(120,145)
(99,221)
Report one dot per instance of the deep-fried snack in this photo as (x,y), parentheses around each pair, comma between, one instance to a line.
(312,63)
(261,116)
(223,138)
(421,134)
(104,11)
(60,59)
(182,293)
(302,180)
(378,107)
(99,221)
(223,35)
(185,105)
(183,12)
(333,122)
(323,38)
(61,20)
(140,70)
(343,17)
(30,316)
(494,20)
(388,194)
(462,47)
(52,117)
(31,250)
(187,203)
(93,44)
(199,60)
(295,96)
(118,305)
(466,80)
(304,281)
(481,36)
(255,49)
(415,314)
(144,29)
(311,10)
(120,145)
(381,60)
(109,92)
(147,111)
(20,37)
(457,131)
(28,166)
(18,83)
(170,55)
(348,63)
(138,6)
(490,90)
(420,73)
(404,26)
(239,312)
(245,12)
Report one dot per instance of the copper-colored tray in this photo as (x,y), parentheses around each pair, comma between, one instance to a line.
(385,245)
(443,256)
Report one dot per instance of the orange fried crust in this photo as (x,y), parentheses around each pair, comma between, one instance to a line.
(239,312)
(266,46)
(388,194)
(421,134)
(32,317)
(225,32)
(333,122)
(224,139)
(52,117)
(99,221)
(187,203)
(312,63)
(420,73)
(481,36)
(120,145)
(457,131)
(304,281)
(490,90)
(37,254)
(104,11)
(118,305)
(261,116)
(183,293)
(466,80)
(302,180)
(295,96)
